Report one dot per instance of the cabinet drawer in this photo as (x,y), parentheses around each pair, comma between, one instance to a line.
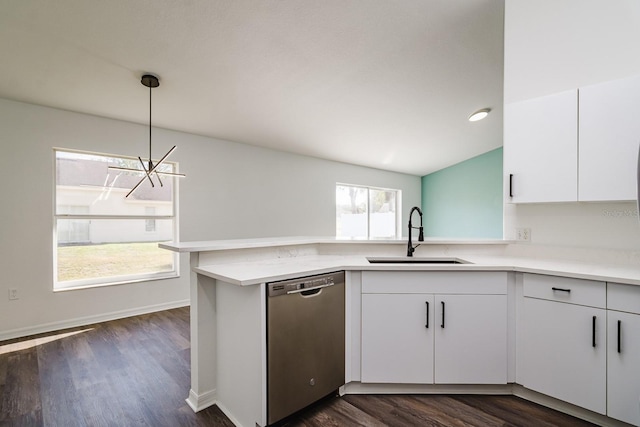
(436,282)
(623,297)
(563,289)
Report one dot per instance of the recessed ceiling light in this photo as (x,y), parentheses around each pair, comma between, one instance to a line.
(479,115)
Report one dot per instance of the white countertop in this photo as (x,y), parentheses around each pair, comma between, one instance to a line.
(222,245)
(260,271)
(244,271)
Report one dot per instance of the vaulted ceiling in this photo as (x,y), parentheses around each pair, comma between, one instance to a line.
(382,83)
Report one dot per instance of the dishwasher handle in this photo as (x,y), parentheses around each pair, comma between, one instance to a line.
(319,287)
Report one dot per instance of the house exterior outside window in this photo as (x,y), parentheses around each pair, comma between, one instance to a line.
(74,230)
(100,236)
(150,223)
(367,212)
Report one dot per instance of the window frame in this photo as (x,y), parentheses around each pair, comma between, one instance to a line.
(398,211)
(68,285)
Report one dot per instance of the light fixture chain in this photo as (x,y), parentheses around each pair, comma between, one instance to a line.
(150,126)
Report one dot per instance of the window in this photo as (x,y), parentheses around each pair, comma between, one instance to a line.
(150,224)
(367,212)
(101,237)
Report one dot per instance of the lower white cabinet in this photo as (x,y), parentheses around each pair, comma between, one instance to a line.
(578,340)
(564,340)
(561,357)
(623,356)
(397,338)
(414,332)
(471,339)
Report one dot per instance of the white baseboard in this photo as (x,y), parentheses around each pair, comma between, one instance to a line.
(198,402)
(513,389)
(567,408)
(88,320)
(229,415)
(366,388)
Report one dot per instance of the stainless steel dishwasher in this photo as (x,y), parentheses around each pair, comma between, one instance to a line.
(305,342)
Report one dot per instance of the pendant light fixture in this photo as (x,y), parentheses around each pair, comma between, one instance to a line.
(150,168)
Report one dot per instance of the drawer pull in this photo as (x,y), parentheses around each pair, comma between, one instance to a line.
(593,332)
(442,325)
(426,325)
(561,290)
(619,340)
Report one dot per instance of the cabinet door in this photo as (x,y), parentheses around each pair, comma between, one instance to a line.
(623,370)
(541,149)
(397,338)
(562,356)
(609,140)
(471,339)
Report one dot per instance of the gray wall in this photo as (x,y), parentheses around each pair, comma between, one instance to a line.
(231,191)
(240,191)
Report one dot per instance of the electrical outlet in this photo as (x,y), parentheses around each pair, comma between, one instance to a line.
(13,294)
(523,234)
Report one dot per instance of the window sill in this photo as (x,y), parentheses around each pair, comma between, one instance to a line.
(73,286)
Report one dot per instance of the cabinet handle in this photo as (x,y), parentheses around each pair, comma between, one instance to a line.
(561,290)
(619,341)
(638,185)
(593,332)
(426,325)
(442,325)
(510,185)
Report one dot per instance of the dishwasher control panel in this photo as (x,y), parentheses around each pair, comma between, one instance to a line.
(312,282)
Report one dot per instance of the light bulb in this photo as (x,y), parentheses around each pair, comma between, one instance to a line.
(479,115)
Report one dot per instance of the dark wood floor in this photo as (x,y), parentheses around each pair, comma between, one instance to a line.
(135,372)
(432,411)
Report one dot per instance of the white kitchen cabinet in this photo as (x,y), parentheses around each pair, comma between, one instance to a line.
(541,149)
(623,370)
(403,338)
(578,145)
(397,338)
(563,349)
(471,339)
(609,140)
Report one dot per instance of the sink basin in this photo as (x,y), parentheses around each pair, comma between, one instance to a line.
(415,260)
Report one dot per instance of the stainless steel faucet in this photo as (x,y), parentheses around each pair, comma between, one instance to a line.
(410,247)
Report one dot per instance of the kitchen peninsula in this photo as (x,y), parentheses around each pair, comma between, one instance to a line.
(228,280)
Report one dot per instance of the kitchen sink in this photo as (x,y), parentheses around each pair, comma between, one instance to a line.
(416,260)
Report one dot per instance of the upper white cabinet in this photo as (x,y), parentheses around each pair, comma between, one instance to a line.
(541,149)
(609,140)
(578,145)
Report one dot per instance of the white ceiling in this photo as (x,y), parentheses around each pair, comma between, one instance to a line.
(382,83)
